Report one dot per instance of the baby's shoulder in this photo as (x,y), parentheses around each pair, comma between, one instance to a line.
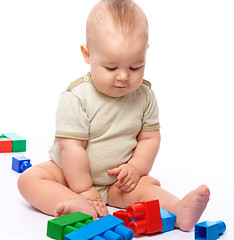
(78,82)
(146,83)
(145,93)
(145,88)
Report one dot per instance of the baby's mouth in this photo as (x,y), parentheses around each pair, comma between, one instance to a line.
(120,87)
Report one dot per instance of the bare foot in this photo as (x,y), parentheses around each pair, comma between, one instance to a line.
(191,207)
(74,205)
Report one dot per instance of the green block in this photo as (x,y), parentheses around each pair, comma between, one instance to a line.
(59,227)
(18,143)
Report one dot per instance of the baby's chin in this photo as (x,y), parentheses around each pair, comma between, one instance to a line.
(116,93)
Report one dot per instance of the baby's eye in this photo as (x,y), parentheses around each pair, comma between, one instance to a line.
(111,69)
(134,69)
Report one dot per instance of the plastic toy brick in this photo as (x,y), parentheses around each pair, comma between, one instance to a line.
(121,214)
(209,230)
(106,228)
(148,217)
(20,164)
(18,143)
(57,228)
(5,145)
(168,220)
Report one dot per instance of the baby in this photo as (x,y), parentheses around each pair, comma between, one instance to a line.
(107,129)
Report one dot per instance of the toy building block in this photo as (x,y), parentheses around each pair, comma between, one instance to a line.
(209,230)
(168,220)
(106,228)
(5,145)
(121,214)
(18,143)
(20,164)
(148,217)
(59,227)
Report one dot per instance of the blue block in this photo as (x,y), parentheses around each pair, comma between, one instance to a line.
(209,230)
(20,164)
(168,220)
(106,228)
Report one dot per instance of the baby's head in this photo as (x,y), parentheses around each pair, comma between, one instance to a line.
(122,16)
(117,41)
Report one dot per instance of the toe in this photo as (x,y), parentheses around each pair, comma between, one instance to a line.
(204,190)
(59,210)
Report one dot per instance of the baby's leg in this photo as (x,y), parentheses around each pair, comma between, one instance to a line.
(45,188)
(188,210)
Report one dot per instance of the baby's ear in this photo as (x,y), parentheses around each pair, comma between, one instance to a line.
(85,52)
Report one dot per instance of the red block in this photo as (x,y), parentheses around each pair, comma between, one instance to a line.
(5,145)
(121,214)
(148,217)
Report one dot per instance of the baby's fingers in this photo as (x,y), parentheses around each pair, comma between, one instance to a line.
(101,208)
(123,173)
(130,188)
(114,171)
(105,209)
(121,183)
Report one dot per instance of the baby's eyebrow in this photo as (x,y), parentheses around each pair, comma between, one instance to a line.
(109,63)
(139,64)
(115,63)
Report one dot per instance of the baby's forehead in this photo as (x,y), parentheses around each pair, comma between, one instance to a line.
(128,20)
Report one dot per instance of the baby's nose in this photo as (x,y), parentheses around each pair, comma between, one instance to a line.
(122,76)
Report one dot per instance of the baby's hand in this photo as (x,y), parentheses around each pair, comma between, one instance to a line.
(128,177)
(94,198)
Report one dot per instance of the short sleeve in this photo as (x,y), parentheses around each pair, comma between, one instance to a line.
(150,118)
(71,119)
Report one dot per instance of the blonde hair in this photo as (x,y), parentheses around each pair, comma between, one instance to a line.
(125,15)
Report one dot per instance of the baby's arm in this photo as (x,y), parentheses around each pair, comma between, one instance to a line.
(148,143)
(75,165)
(140,164)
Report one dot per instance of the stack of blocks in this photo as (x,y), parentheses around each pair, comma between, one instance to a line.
(11,142)
(147,217)
(81,226)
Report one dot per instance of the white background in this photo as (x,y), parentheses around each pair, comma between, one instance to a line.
(190,63)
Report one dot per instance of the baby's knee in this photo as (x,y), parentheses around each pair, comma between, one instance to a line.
(147,180)
(23,180)
(29,178)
